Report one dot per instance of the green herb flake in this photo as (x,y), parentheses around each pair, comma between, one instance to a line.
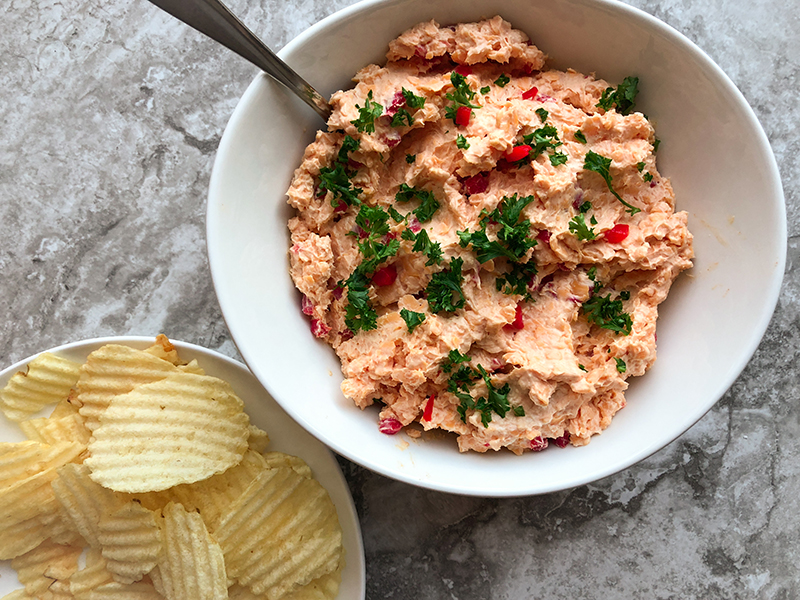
(601,165)
(412,319)
(625,295)
(359,314)
(648,177)
(582,368)
(621,366)
(461,142)
(656,144)
(502,80)
(580,229)
(585,207)
(336,178)
(401,115)
(428,203)
(411,158)
(461,95)
(424,244)
(519,411)
(558,158)
(412,100)
(543,114)
(608,314)
(580,136)
(454,358)
(485,90)
(444,290)
(640,166)
(623,98)
(365,123)
(517,280)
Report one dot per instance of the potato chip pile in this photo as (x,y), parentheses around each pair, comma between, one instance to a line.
(148,481)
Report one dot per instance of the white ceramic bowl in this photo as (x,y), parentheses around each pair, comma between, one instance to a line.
(285,435)
(722,170)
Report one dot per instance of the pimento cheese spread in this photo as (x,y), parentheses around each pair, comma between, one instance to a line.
(484,242)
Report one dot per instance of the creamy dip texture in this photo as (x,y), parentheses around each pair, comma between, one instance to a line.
(485,242)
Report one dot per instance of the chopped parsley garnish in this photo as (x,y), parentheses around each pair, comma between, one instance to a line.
(621,366)
(513,232)
(580,137)
(444,290)
(399,116)
(485,249)
(367,115)
(580,229)
(640,166)
(412,100)
(460,96)
(625,295)
(542,139)
(428,203)
(497,400)
(656,144)
(485,90)
(395,214)
(519,411)
(543,114)
(461,142)
(582,368)
(411,158)
(517,280)
(424,244)
(648,177)
(600,164)
(359,313)
(623,98)
(585,207)
(608,314)
(454,358)
(592,274)
(502,80)
(412,319)
(558,158)
(336,178)
(374,222)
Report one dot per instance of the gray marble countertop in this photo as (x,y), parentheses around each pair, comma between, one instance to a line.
(111,115)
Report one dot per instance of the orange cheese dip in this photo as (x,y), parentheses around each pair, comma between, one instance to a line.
(555,267)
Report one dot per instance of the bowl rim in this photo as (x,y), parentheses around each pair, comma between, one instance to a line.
(347,511)
(759,326)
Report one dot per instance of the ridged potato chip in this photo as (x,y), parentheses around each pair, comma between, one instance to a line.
(323,588)
(131,541)
(279,459)
(192,565)
(163,349)
(84,502)
(213,496)
(181,429)
(49,379)
(92,576)
(280,534)
(258,439)
(122,591)
(49,430)
(113,370)
(26,472)
(40,568)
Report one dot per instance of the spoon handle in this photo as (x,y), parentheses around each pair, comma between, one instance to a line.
(214,19)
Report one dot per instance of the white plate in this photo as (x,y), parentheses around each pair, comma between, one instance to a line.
(722,170)
(285,435)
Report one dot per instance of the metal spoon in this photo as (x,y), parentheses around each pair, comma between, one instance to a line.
(215,20)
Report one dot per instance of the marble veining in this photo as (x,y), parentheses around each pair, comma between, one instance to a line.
(111,115)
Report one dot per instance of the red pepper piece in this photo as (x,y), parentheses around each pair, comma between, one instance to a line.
(563,441)
(389,426)
(518,153)
(463,70)
(617,233)
(543,235)
(517,324)
(539,443)
(428,412)
(385,276)
(476,184)
(463,115)
(530,94)
(319,328)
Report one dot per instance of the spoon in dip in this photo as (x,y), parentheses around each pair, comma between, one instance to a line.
(214,19)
